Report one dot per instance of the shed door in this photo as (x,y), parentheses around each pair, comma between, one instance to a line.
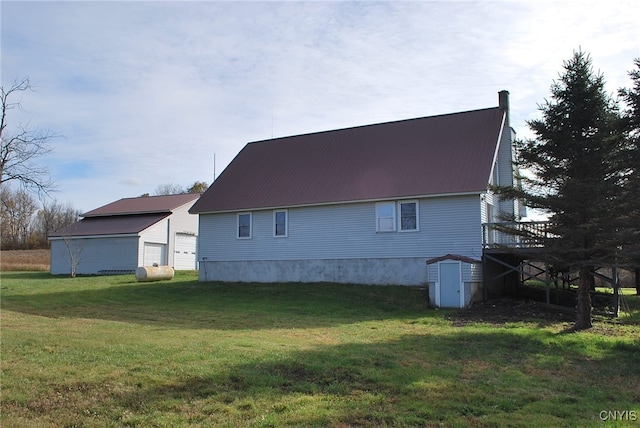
(184,257)
(450,285)
(154,253)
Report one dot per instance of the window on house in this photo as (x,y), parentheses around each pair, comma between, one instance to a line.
(244,225)
(408,215)
(280,223)
(385,217)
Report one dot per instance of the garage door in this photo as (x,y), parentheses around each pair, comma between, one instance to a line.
(185,252)
(154,253)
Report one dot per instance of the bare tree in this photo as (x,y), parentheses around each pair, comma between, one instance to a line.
(176,189)
(74,252)
(22,148)
(16,211)
(168,189)
(53,216)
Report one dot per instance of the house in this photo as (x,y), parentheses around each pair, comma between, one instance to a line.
(392,203)
(128,233)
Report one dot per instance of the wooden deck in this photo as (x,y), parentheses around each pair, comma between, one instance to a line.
(507,248)
(514,252)
(514,235)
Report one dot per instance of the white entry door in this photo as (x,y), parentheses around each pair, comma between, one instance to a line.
(450,285)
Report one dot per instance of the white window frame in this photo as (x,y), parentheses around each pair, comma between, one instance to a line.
(379,217)
(417,229)
(286,223)
(250,225)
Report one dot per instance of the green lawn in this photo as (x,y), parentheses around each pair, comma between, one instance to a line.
(108,351)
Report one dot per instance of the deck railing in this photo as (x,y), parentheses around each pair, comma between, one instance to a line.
(531,234)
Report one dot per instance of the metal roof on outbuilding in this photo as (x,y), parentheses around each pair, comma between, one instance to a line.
(143,205)
(435,155)
(126,216)
(117,225)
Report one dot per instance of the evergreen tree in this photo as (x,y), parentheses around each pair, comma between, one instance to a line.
(574,165)
(629,208)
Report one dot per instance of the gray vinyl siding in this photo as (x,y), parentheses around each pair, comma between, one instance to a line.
(60,263)
(475,273)
(346,231)
(96,254)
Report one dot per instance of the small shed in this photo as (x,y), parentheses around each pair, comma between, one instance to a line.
(128,233)
(454,281)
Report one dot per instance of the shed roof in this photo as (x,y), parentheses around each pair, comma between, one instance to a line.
(143,205)
(434,155)
(454,257)
(117,225)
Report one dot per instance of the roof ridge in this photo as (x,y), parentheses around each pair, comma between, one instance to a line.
(157,196)
(143,204)
(391,122)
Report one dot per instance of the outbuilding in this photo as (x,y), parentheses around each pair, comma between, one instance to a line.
(128,233)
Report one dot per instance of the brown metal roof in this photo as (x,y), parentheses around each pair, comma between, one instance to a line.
(143,205)
(117,225)
(418,157)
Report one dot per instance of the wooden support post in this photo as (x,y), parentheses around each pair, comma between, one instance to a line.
(616,290)
(547,282)
(485,277)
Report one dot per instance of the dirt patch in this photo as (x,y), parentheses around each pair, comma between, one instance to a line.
(504,311)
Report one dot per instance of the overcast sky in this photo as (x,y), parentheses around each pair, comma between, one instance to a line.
(146,93)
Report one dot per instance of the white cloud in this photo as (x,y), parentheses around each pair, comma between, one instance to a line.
(146,92)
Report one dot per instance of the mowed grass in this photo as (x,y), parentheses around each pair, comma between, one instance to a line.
(111,352)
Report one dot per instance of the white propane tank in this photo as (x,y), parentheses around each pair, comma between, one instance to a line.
(154,273)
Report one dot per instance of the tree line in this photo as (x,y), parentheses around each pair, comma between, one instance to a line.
(26,223)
